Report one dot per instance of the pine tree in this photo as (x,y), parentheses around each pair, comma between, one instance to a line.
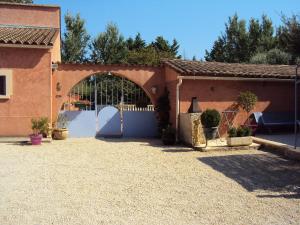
(109,47)
(75,40)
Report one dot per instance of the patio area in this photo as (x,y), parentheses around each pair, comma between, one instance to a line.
(119,181)
(284,138)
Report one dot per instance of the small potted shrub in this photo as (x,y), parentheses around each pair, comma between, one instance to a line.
(39,127)
(168,135)
(60,132)
(210,120)
(240,136)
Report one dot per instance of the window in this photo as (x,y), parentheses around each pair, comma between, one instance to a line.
(2,85)
(5,84)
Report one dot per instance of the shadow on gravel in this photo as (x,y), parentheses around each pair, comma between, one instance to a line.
(262,172)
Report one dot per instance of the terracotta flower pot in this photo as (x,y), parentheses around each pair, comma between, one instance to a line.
(60,134)
(36,139)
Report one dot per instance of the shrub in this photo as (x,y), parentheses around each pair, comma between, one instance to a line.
(40,126)
(162,109)
(276,56)
(239,132)
(232,132)
(259,58)
(210,118)
(247,131)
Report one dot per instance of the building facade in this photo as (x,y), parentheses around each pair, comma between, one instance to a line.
(34,82)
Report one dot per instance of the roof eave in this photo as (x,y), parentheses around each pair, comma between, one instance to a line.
(26,46)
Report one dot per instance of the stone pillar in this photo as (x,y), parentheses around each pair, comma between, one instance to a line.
(191,131)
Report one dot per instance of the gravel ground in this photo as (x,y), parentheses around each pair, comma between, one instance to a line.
(88,181)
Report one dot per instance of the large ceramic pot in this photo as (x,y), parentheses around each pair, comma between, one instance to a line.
(210,133)
(60,133)
(36,139)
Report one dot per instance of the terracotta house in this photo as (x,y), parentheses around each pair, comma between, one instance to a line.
(31,71)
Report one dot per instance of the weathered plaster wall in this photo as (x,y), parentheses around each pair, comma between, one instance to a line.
(31,71)
(68,75)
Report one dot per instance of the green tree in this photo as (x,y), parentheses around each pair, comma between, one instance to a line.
(136,44)
(232,46)
(289,36)
(239,44)
(109,47)
(75,39)
(18,1)
(254,35)
(274,56)
(267,40)
(259,58)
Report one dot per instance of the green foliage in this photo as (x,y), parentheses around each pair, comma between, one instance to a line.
(136,44)
(210,118)
(289,36)
(247,100)
(162,109)
(75,40)
(259,58)
(232,132)
(258,44)
(142,54)
(109,47)
(233,45)
(40,125)
(18,1)
(276,56)
(242,131)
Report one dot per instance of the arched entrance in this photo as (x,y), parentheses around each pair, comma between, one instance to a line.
(108,105)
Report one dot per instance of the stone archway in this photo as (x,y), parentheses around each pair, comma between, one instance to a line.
(68,75)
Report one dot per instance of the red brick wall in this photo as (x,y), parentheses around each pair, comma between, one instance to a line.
(31,96)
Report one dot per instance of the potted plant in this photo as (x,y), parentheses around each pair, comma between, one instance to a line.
(169,135)
(210,120)
(39,127)
(239,136)
(60,132)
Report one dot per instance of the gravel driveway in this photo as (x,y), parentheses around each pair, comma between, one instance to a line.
(88,181)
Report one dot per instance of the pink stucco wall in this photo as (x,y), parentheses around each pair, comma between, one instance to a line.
(68,75)
(31,96)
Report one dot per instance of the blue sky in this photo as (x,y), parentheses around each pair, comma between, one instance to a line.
(194,23)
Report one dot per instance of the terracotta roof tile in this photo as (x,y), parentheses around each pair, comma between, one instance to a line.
(216,69)
(28,36)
